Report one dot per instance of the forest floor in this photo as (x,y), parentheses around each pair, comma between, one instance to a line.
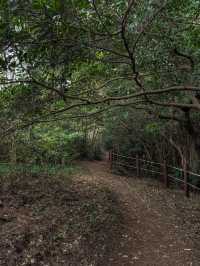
(160,227)
(96,218)
(56,220)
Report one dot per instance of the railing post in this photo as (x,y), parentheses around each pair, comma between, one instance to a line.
(116,158)
(165,174)
(111,159)
(138,165)
(186,180)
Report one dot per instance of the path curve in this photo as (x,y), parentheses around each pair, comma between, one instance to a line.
(149,238)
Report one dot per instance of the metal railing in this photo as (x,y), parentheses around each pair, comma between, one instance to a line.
(168,174)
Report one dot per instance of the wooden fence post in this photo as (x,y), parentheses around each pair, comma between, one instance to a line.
(186,180)
(111,159)
(116,158)
(138,165)
(165,174)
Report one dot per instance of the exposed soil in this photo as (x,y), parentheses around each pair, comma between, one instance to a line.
(161,227)
(52,221)
(96,218)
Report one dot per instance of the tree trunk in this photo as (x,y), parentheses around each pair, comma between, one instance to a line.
(13,150)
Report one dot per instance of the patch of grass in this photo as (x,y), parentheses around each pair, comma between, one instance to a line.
(7,168)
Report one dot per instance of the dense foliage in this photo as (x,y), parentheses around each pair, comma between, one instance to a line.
(78,73)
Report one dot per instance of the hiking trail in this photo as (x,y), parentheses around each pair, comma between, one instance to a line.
(153,233)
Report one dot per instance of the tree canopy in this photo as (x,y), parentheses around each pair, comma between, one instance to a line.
(118,69)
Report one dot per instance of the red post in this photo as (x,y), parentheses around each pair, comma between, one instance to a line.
(138,165)
(165,174)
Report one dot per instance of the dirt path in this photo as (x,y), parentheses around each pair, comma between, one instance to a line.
(152,235)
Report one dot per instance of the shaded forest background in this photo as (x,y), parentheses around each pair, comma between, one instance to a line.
(79,77)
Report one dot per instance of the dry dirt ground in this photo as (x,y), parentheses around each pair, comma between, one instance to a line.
(96,218)
(56,220)
(160,227)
